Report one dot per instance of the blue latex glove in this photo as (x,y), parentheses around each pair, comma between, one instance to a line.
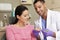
(36,33)
(47,32)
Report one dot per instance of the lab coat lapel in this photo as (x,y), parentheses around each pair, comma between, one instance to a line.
(51,21)
(51,25)
(48,20)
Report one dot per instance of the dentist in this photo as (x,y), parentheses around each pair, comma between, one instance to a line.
(49,21)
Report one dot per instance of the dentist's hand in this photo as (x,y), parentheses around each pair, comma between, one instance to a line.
(36,33)
(47,32)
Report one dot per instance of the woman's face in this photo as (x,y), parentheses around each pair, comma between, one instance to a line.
(24,17)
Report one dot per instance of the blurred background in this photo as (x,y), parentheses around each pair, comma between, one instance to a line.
(7,9)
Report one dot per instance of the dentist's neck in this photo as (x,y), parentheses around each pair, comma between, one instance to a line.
(45,15)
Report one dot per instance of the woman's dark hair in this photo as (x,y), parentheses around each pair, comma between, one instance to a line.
(18,11)
(35,1)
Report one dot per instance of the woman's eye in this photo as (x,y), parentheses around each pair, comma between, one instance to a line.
(25,16)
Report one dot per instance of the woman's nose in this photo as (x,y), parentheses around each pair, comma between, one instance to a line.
(28,17)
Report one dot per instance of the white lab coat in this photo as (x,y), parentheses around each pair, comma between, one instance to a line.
(53,24)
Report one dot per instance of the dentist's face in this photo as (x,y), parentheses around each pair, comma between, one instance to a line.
(40,8)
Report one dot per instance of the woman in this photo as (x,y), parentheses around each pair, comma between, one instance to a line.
(21,30)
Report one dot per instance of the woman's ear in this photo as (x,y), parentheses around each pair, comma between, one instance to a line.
(18,17)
